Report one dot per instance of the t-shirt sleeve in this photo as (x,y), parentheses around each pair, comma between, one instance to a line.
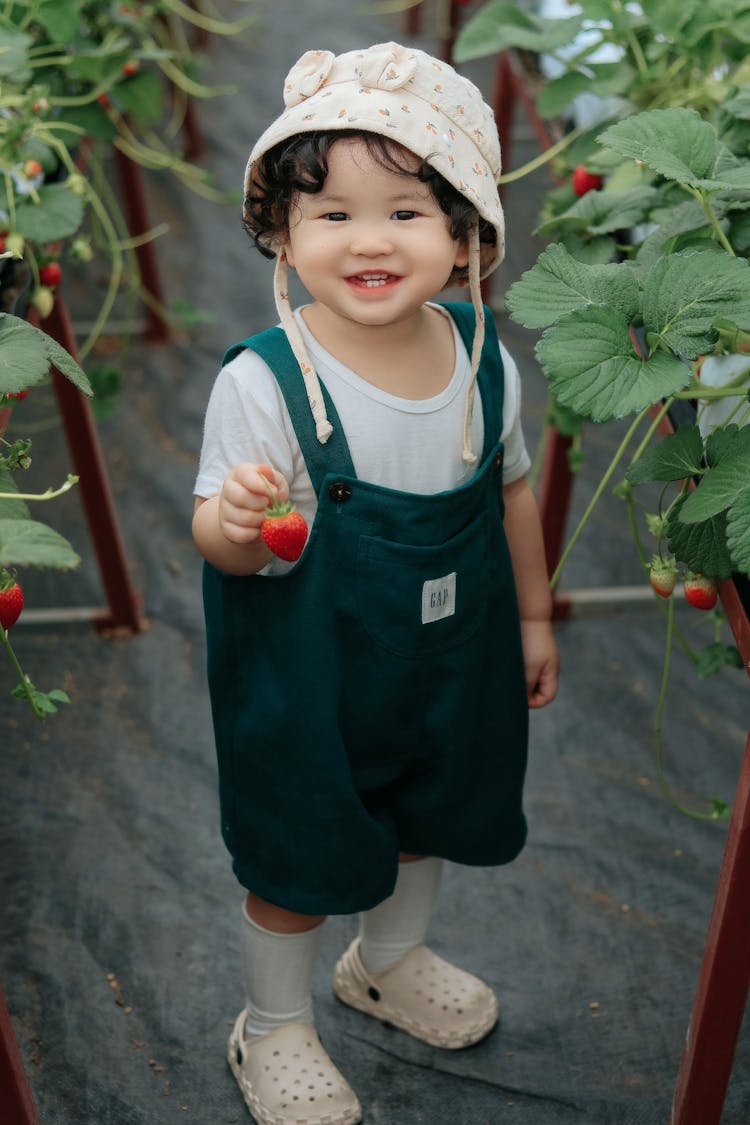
(246,420)
(516,462)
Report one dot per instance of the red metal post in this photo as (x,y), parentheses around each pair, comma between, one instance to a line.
(88,462)
(724,979)
(136,212)
(16,1101)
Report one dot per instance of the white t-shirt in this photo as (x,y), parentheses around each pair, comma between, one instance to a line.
(413,445)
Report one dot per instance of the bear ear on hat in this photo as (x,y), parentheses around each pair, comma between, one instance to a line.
(307,76)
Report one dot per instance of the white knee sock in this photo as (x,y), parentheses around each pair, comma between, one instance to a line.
(397,924)
(278,976)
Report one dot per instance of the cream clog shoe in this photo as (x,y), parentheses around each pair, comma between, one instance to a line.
(287,1078)
(422,994)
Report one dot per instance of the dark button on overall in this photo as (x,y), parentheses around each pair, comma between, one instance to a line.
(372,699)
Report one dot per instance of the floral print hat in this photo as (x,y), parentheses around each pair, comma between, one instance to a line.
(420,103)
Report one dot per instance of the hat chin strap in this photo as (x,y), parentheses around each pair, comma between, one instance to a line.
(475,292)
(323,427)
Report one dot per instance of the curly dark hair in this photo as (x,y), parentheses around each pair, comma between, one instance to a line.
(300,163)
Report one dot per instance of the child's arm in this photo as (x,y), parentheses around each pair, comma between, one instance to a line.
(523,530)
(226,527)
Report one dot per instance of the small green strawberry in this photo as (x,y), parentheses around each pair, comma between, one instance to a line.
(700,591)
(11,600)
(662,575)
(284,529)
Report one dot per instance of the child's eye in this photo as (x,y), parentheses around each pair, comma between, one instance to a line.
(404,215)
(335,216)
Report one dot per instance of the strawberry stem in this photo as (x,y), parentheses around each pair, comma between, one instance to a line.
(659,743)
(23,680)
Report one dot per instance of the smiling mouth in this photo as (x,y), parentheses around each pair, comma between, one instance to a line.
(372,280)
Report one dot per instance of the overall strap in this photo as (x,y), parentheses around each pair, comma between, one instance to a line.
(491,375)
(333,457)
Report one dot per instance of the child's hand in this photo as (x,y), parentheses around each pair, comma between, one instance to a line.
(541,662)
(247,491)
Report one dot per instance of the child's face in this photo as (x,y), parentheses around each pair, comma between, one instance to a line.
(374,244)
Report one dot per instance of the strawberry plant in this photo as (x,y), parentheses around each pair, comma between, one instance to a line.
(27,354)
(642,297)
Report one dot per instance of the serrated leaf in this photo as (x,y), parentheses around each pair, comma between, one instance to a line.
(724,482)
(58,214)
(59,18)
(676,143)
(30,543)
(499,25)
(684,293)
(716,656)
(26,353)
(23,356)
(738,531)
(142,98)
(701,546)
(676,457)
(593,367)
(557,94)
(11,509)
(559,283)
(14,46)
(688,216)
(601,212)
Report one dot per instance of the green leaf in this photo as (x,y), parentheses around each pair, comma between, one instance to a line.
(142,98)
(676,143)
(688,216)
(738,531)
(684,293)
(593,367)
(557,94)
(11,509)
(676,457)
(59,18)
(13,48)
(559,283)
(600,212)
(26,353)
(716,656)
(30,543)
(702,547)
(499,25)
(58,214)
(723,482)
(23,356)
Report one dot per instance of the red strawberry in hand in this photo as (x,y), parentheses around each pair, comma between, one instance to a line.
(662,575)
(284,530)
(700,591)
(11,603)
(585,181)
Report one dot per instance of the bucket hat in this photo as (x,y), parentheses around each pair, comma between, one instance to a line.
(421,103)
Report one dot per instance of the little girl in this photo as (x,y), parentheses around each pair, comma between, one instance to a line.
(370,700)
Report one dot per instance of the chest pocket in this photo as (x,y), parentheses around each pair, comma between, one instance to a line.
(416,601)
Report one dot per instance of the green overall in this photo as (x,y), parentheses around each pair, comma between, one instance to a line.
(372,700)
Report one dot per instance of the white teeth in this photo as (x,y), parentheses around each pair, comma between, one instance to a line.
(373,279)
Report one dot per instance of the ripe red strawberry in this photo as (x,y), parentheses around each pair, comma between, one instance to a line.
(662,575)
(51,274)
(284,531)
(32,168)
(700,591)
(11,604)
(16,394)
(584,181)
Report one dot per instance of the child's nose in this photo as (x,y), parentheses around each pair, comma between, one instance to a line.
(371,240)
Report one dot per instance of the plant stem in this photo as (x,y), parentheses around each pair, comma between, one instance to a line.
(543,158)
(597,495)
(50,494)
(658,724)
(23,679)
